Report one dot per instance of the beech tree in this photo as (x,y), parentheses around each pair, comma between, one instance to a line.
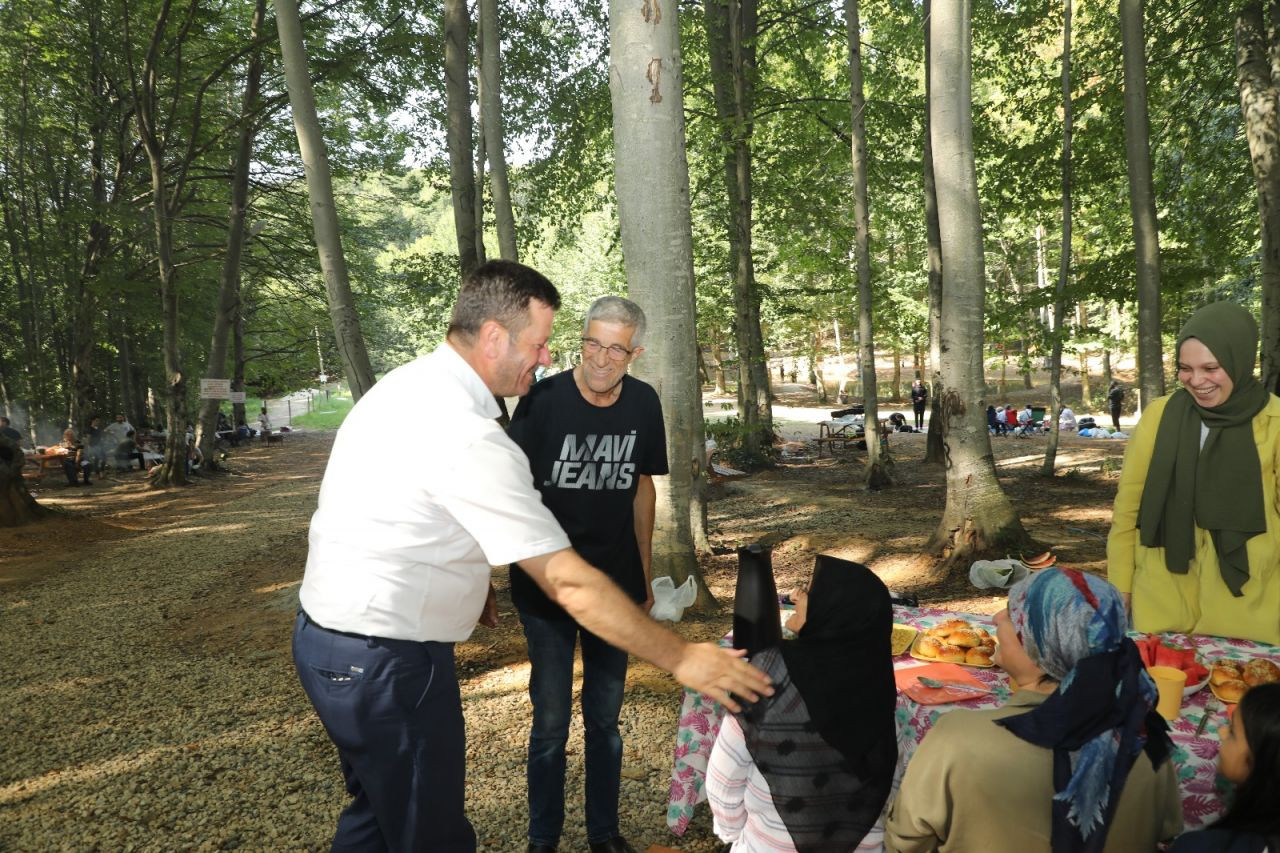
(1142,203)
(652,180)
(324,213)
(978,517)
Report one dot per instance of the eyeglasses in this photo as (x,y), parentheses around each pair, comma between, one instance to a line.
(617,352)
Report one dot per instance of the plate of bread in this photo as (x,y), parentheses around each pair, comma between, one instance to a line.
(1231,679)
(955,641)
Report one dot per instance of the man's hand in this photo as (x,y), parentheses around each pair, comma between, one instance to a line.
(718,672)
(489,616)
(648,602)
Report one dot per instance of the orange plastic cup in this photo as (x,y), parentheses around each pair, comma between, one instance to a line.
(1169,681)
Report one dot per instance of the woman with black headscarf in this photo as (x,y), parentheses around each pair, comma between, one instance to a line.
(1195,534)
(1076,762)
(811,767)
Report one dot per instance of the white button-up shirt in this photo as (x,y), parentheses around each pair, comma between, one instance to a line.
(422,494)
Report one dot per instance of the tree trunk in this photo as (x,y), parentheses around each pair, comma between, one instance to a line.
(879,465)
(978,518)
(229,280)
(731,37)
(1082,324)
(652,180)
(897,373)
(477,190)
(84,337)
(1146,229)
(1064,262)
(1260,104)
(494,131)
(718,355)
(324,213)
(457,71)
(934,451)
(17,507)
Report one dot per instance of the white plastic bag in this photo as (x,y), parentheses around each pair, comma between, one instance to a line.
(669,600)
(997,574)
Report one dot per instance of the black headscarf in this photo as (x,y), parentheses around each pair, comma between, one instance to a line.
(825,741)
(1219,486)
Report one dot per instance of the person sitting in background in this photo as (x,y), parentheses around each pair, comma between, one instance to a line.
(811,767)
(9,432)
(127,451)
(1067,419)
(1077,760)
(994,423)
(73,457)
(1250,758)
(244,431)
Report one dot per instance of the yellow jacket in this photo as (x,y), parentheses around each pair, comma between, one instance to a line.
(1198,601)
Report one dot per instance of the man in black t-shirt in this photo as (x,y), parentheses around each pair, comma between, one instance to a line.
(595,440)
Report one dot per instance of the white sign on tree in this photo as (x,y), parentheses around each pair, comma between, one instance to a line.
(215,389)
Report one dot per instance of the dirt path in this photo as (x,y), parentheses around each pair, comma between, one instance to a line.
(153,704)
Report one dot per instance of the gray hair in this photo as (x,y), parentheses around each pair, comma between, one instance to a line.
(615,309)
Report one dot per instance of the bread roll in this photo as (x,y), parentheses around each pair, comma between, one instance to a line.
(1259,671)
(951,654)
(929,647)
(965,638)
(1230,691)
(938,631)
(954,624)
(978,657)
(1224,671)
(988,645)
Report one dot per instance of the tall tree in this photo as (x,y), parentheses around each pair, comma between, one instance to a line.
(229,280)
(457,77)
(166,201)
(494,131)
(732,32)
(324,213)
(1064,262)
(1260,103)
(877,473)
(652,180)
(978,517)
(1142,201)
(934,450)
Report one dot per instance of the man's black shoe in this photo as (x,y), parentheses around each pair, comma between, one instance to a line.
(541,848)
(617,844)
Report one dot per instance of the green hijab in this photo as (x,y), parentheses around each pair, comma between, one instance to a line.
(1217,487)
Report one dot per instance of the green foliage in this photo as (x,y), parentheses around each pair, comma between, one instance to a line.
(730,435)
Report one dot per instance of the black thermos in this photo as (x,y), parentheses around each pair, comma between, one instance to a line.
(757,624)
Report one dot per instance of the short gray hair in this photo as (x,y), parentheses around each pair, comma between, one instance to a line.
(615,309)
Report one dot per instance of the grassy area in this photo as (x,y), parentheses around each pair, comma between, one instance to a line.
(325,414)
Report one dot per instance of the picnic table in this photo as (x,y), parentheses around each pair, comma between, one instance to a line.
(48,460)
(842,432)
(1195,756)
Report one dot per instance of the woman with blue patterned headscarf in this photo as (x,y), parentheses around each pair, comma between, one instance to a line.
(1078,758)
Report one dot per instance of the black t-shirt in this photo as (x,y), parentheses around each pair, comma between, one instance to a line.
(586,463)
(919,394)
(11,433)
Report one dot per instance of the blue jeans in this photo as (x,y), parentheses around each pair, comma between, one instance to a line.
(393,709)
(604,673)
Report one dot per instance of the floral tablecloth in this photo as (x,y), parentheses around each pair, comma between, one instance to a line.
(1194,757)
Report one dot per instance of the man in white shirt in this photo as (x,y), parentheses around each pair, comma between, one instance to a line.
(399,562)
(118,431)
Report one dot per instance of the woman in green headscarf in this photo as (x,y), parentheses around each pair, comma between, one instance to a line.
(1195,536)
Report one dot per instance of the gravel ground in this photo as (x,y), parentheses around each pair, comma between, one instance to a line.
(152,701)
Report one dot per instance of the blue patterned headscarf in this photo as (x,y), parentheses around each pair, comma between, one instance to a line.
(1101,716)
